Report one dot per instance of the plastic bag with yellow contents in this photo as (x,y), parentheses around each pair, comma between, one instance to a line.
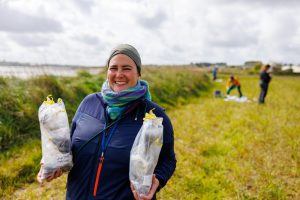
(55,135)
(145,152)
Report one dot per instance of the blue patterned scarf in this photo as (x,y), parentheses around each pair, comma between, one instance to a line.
(117,101)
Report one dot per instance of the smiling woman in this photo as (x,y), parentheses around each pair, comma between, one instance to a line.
(104,129)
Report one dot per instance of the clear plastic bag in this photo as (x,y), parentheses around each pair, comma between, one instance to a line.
(55,135)
(145,152)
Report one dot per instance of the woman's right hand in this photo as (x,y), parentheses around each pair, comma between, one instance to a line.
(55,175)
(151,193)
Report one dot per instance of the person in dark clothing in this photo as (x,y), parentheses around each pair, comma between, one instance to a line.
(103,131)
(265,79)
(214,73)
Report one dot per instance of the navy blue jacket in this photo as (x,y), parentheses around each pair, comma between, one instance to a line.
(114,182)
(265,78)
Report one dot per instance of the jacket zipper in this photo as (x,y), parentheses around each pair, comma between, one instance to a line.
(102,158)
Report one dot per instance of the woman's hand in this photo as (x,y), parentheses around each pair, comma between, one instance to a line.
(56,174)
(149,196)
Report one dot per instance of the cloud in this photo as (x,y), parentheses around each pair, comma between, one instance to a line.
(177,32)
(229,28)
(88,39)
(85,5)
(32,40)
(18,22)
(233,41)
(4,46)
(152,21)
(271,3)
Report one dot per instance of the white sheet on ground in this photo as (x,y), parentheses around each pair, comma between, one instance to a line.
(242,99)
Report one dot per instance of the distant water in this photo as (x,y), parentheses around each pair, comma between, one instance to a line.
(25,72)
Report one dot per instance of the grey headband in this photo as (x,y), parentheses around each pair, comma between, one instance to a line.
(128,50)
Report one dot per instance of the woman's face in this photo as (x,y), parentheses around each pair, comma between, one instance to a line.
(122,73)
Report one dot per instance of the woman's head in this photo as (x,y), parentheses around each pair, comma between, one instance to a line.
(128,50)
(124,67)
(266,67)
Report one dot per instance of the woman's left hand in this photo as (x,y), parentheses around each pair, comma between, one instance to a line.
(149,196)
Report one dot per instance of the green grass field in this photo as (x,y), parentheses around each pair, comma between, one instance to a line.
(225,150)
(229,150)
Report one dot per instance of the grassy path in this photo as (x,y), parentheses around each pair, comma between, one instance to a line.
(228,150)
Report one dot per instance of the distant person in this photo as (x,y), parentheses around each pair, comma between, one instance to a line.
(102,158)
(214,73)
(233,83)
(265,79)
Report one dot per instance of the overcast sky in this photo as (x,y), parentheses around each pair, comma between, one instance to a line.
(82,32)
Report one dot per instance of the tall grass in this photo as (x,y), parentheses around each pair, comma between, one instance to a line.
(20,99)
(172,86)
